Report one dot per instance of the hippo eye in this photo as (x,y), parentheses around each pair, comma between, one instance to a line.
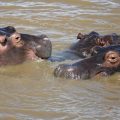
(112,59)
(80,36)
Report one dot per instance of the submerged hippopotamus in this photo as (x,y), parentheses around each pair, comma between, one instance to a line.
(86,44)
(17,47)
(105,61)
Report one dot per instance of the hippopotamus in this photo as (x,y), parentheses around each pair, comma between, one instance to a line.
(86,43)
(86,46)
(105,61)
(17,47)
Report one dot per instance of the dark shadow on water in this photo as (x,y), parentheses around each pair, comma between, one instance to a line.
(64,55)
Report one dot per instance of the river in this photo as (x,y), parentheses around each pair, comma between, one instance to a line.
(30,91)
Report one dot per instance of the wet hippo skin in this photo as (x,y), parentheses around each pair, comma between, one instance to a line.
(86,43)
(41,45)
(17,47)
(106,61)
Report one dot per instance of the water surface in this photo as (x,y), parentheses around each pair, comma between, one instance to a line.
(30,91)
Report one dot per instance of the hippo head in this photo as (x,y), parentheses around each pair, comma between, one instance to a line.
(105,61)
(9,38)
(84,47)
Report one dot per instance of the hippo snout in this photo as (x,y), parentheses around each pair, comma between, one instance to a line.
(44,49)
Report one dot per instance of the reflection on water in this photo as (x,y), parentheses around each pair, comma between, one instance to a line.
(30,91)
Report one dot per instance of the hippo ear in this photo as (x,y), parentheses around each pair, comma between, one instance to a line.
(80,36)
(111,59)
(108,39)
(100,42)
(104,40)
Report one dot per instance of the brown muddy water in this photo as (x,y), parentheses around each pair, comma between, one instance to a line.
(30,91)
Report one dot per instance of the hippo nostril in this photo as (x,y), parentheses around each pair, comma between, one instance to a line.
(38,47)
(45,41)
(113,58)
(17,38)
(15,35)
